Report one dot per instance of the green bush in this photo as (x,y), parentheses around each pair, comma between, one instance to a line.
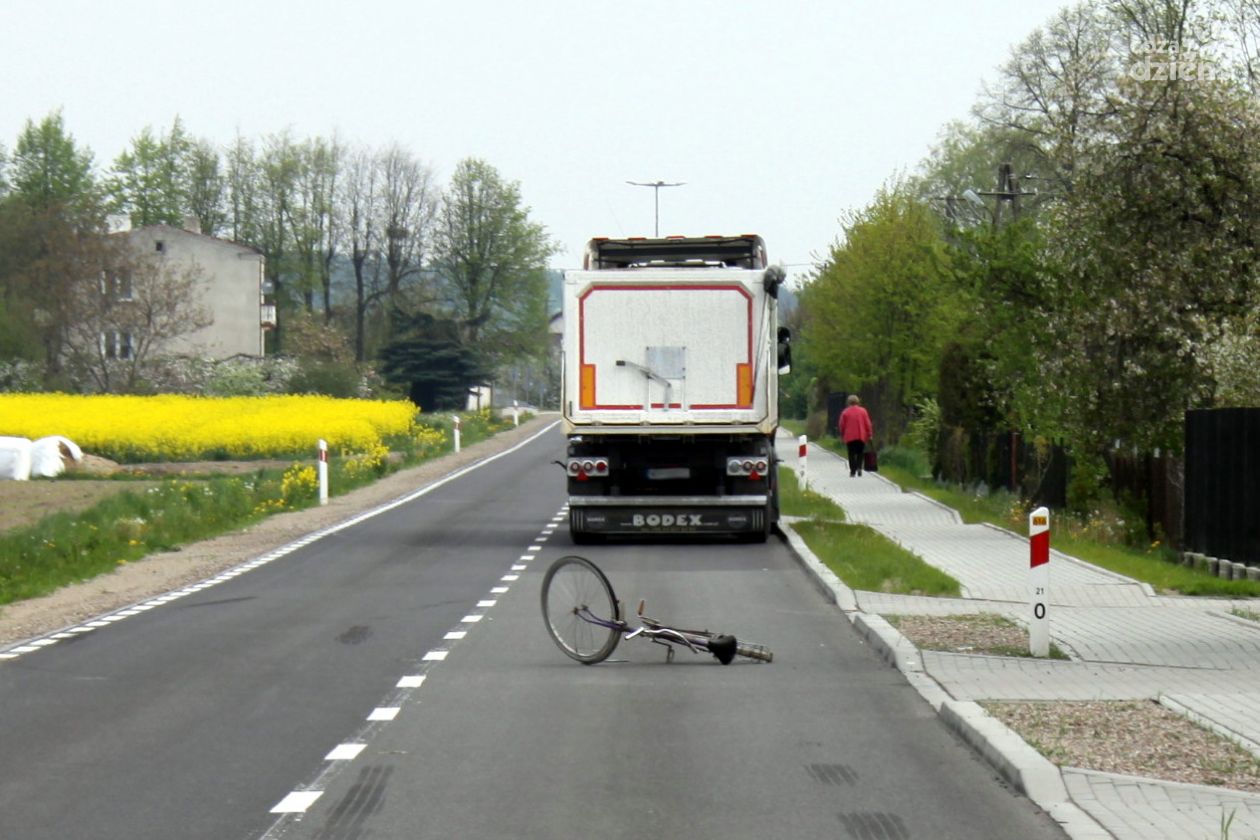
(913,460)
(333,379)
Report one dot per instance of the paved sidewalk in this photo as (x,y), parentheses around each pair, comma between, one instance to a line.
(1125,642)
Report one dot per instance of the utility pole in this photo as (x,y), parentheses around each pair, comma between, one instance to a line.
(656,194)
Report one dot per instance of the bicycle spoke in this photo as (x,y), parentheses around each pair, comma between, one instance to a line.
(575,597)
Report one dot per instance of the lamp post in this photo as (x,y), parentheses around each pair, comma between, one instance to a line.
(656,195)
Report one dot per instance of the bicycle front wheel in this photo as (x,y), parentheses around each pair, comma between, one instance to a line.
(580,609)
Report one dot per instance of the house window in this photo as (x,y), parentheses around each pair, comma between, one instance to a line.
(159,246)
(116,345)
(118,287)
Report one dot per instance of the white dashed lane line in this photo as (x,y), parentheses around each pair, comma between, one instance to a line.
(299,801)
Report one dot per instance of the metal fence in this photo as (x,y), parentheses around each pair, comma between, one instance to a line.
(1222,483)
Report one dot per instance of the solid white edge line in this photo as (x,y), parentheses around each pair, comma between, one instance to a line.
(277,553)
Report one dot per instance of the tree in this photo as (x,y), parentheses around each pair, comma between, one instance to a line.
(359,201)
(50,225)
(244,214)
(122,314)
(877,310)
(429,361)
(207,186)
(150,181)
(49,170)
(1053,96)
(314,220)
(490,259)
(1149,245)
(407,203)
(274,175)
(1157,250)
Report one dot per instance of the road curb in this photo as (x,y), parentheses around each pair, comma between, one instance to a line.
(1031,773)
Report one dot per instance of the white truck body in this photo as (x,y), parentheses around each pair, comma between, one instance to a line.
(670,392)
(661,348)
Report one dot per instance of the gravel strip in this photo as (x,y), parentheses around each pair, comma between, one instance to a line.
(1137,738)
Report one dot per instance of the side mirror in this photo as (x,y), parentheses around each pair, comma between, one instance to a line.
(785,350)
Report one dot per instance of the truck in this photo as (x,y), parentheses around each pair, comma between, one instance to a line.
(671,354)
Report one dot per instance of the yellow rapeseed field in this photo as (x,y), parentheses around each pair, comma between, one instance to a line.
(178,428)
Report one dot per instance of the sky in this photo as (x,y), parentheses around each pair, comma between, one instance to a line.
(778,118)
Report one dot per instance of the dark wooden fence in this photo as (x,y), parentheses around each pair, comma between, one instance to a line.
(1222,483)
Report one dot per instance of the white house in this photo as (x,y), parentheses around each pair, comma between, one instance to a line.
(232,285)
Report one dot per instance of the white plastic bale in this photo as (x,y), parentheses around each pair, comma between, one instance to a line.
(49,455)
(15,458)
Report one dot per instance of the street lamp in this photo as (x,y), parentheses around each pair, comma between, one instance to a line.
(656,194)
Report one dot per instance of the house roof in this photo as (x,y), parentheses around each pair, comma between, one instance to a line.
(168,230)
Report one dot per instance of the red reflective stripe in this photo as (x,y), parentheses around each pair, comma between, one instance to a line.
(1040,549)
(802,452)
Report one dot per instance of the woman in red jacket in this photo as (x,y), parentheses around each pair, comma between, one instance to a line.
(855,431)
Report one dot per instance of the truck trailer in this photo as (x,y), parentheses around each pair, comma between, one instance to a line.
(671,356)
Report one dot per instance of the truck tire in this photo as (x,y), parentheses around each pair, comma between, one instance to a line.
(579,536)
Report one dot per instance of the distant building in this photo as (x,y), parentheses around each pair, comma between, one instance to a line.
(232,281)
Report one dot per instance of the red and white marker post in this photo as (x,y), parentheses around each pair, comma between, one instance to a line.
(323,472)
(801,476)
(455,417)
(1039,581)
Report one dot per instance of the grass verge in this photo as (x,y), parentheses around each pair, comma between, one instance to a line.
(860,556)
(1158,567)
(65,548)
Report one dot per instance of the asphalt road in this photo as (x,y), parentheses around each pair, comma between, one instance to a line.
(284,703)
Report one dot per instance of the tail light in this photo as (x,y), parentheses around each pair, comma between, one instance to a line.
(754,468)
(585,468)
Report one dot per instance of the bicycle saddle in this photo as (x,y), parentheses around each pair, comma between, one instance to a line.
(723,647)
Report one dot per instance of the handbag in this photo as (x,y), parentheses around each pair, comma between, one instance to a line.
(870,461)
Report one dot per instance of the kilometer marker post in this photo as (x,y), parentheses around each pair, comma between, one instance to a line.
(323,472)
(1039,581)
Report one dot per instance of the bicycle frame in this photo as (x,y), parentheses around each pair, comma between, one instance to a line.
(697,641)
(576,594)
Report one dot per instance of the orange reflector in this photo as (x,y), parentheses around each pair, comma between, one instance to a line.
(743,385)
(587,396)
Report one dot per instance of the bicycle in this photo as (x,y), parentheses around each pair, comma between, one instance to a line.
(583,617)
